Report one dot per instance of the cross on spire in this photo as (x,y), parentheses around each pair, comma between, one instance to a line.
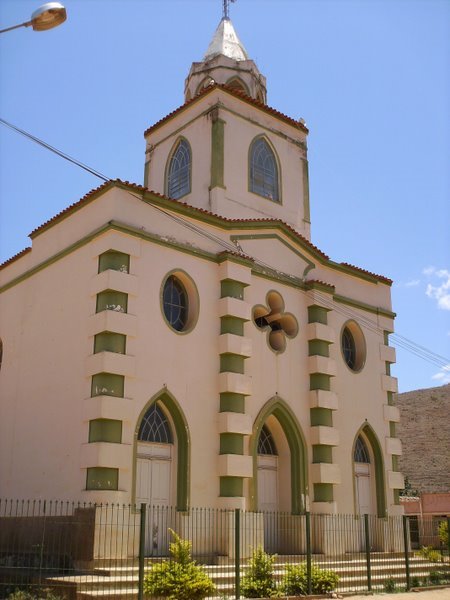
(226,8)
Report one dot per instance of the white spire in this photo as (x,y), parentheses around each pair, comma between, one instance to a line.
(226,42)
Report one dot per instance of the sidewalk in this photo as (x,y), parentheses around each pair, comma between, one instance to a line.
(439,594)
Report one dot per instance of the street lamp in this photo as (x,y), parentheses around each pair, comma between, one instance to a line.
(45,17)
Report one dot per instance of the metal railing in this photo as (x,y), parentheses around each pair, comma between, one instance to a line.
(73,550)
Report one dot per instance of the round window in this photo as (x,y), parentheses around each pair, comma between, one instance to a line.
(353,346)
(180,302)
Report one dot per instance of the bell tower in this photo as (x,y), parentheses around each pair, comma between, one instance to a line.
(226,62)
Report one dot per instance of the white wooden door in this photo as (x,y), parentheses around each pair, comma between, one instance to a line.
(153,483)
(364,488)
(268,498)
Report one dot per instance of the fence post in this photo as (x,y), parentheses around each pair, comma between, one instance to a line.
(308,552)
(142,550)
(237,553)
(406,546)
(367,542)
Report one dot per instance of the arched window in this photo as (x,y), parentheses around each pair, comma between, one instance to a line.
(263,170)
(236,83)
(361,454)
(155,427)
(266,443)
(179,172)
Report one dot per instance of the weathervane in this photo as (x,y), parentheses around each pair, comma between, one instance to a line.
(226,8)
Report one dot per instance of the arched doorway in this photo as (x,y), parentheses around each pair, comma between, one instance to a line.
(368,471)
(155,458)
(161,468)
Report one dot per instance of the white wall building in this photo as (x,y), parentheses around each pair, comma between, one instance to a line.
(184,343)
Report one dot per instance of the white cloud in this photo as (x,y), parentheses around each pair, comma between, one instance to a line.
(412,283)
(441,292)
(443,376)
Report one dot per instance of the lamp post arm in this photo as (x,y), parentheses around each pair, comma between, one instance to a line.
(26,24)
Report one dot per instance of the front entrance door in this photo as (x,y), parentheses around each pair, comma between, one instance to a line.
(153,481)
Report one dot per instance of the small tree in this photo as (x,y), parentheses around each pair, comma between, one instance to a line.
(259,580)
(443,533)
(180,578)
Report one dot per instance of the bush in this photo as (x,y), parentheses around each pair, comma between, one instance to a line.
(390,586)
(295,581)
(430,553)
(443,533)
(180,578)
(259,580)
(33,594)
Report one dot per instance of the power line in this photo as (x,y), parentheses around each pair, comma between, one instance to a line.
(369,324)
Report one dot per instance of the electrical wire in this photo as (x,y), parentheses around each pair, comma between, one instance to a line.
(369,324)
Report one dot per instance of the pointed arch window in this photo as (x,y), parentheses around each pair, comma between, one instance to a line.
(361,454)
(155,427)
(263,170)
(266,443)
(179,172)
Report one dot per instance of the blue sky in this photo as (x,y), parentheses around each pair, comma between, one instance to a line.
(370,77)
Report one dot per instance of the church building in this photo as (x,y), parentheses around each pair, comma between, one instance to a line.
(184,343)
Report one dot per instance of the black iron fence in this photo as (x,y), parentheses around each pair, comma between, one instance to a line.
(81,551)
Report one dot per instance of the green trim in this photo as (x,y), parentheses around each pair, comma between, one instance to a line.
(232,363)
(231,487)
(114,260)
(318,314)
(321,416)
(306,208)
(183,446)
(322,454)
(229,288)
(107,384)
(110,299)
(395,463)
(392,429)
(105,430)
(380,486)
(146,172)
(232,402)
(363,306)
(396,497)
(386,337)
(231,443)
(323,492)
(217,150)
(388,368)
(102,478)
(318,348)
(297,446)
(274,236)
(107,341)
(320,381)
(319,286)
(390,398)
(233,325)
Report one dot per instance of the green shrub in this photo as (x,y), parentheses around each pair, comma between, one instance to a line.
(430,553)
(180,578)
(33,593)
(295,581)
(443,533)
(390,586)
(259,580)
(437,577)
